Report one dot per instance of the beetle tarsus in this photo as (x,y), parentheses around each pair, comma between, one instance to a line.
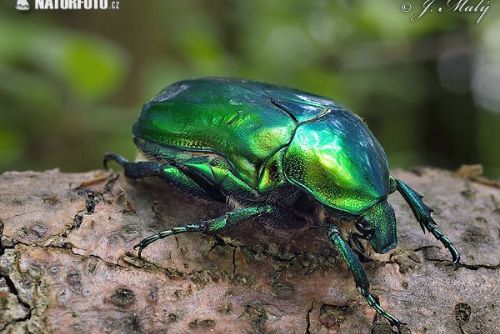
(432,228)
(163,234)
(113,157)
(373,302)
(143,244)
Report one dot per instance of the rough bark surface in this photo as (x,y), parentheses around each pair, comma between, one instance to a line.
(67,264)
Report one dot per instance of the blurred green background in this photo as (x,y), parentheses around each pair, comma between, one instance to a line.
(73,82)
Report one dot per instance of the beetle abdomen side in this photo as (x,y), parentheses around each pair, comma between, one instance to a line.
(217,172)
(220,117)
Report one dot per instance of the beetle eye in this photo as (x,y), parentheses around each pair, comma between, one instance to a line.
(360,224)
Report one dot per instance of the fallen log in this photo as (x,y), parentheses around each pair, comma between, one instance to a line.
(67,263)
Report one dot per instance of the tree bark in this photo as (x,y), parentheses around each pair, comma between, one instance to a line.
(67,263)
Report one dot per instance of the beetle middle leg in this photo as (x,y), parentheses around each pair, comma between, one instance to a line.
(213,225)
(423,214)
(359,274)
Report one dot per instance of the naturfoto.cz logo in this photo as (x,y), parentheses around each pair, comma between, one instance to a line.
(22,5)
(69,4)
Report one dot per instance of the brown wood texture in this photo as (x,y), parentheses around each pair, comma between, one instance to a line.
(67,263)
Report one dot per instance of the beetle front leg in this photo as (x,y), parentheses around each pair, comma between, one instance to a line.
(423,214)
(359,274)
(213,225)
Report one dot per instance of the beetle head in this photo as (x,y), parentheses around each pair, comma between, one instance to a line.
(380,220)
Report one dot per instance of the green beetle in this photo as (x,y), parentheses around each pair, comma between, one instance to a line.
(258,147)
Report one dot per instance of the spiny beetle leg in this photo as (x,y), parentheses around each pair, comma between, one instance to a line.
(213,225)
(359,274)
(423,214)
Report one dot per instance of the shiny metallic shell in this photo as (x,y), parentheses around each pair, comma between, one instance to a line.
(268,136)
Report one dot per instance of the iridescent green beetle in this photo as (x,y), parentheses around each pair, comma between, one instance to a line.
(258,146)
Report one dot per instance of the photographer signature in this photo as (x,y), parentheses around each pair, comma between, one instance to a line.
(458,6)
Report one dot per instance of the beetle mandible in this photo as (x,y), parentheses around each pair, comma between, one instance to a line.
(258,146)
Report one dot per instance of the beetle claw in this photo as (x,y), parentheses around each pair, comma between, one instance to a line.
(113,157)
(354,239)
(139,252)
(373,302)
(398,325)
(455,257)
(144,243)
(422,225)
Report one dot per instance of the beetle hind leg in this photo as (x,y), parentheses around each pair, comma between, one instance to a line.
(170,174)
(134,170)
(423,214)
(359,275)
